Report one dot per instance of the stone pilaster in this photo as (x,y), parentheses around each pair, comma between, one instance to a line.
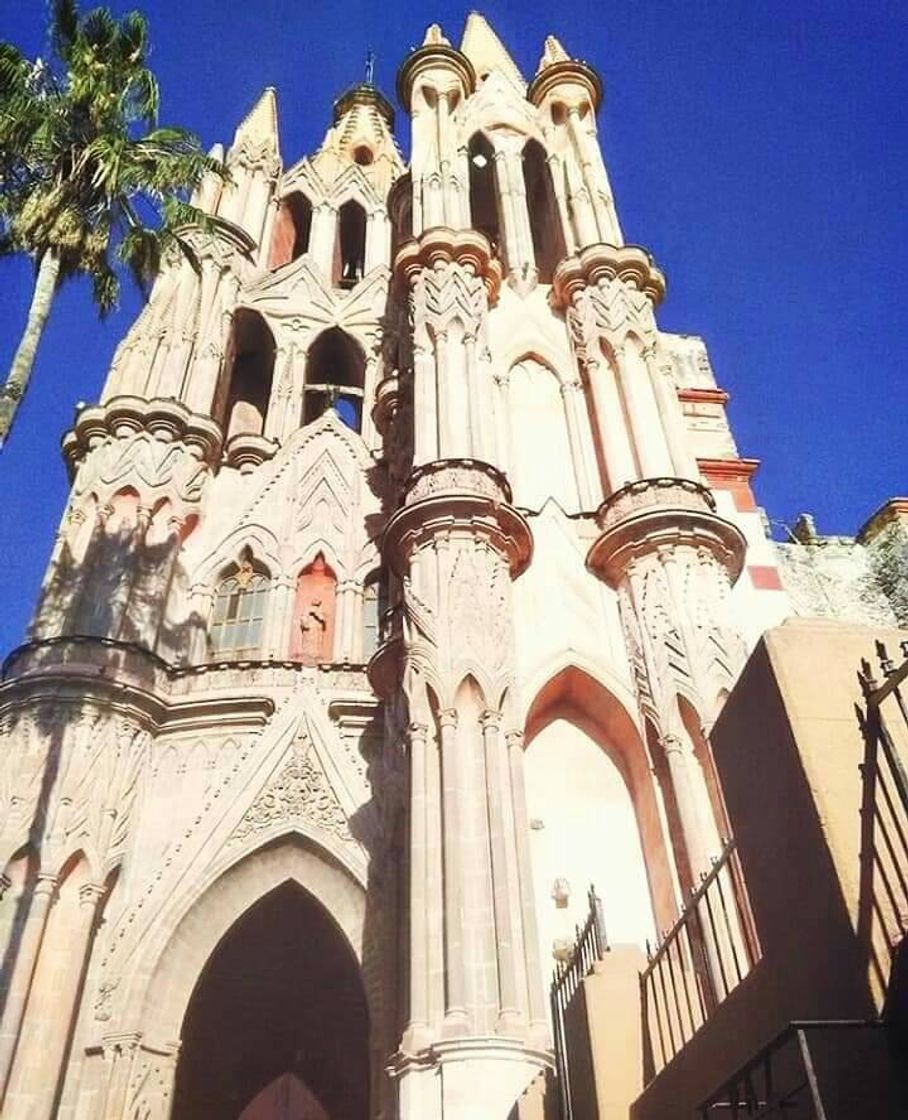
(673,561)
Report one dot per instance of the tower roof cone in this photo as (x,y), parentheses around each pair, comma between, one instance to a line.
(485,50)
(434,36)
(365,93)
(557,67)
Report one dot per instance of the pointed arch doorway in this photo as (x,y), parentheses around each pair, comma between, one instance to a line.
(277,1026)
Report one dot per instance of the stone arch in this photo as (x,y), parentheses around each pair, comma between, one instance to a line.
(259,539)
(197,920)
(577,697)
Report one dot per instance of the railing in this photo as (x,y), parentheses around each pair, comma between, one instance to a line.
(571,1037)
(703,957)
(808,1072)
(884,811)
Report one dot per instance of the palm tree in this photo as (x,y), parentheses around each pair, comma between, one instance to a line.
(88,180)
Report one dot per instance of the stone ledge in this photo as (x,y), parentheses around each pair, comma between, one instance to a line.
(441,245)
(598,264)
(164,418)
(657,513)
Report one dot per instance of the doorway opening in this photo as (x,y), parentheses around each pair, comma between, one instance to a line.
(277,1027)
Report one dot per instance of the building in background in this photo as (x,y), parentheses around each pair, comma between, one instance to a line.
(407,567)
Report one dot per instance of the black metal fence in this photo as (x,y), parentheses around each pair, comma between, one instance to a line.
(573,1062)
(702,958)
(812,1070)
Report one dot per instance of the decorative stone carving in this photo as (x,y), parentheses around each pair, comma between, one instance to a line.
(456,476)
(299,792)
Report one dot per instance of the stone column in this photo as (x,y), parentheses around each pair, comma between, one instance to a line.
(456,1019)
(643,417)
(649,549)
(682,456)
(23,969)
(279,640)
(613,434)
(420,1009)
(506,886)
(456,543)
(52,1005)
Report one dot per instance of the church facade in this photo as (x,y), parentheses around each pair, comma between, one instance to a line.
(406,568)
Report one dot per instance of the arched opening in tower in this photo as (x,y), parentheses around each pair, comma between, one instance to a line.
(246,389)
(349,245)
(335,374)
(545,218)
(483,196)
(277,1027)
(292,229)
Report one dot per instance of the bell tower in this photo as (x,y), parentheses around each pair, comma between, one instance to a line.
(396,592)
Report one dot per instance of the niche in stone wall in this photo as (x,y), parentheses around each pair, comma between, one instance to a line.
(249,370)
(400,208)
(545,218)
(537,415)
(335,373)
(292,229)
(312,640)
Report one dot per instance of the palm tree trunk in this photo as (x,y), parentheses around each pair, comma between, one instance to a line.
(24,361)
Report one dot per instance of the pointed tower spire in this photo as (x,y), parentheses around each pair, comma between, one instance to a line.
(486,51)
(435,37)
(258,129)
(552,52)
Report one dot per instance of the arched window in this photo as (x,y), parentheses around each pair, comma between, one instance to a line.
(483,196)
(292,228)
(238,617)
(335,371)
(374,606)
(246,387)
(349,245)
(545,219)
(312,641)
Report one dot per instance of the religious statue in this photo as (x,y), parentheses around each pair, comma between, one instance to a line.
(313,624)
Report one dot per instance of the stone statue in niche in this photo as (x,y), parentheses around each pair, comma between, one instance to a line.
(313,625)
(314,611)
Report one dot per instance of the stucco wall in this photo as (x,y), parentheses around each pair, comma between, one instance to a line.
(789,749)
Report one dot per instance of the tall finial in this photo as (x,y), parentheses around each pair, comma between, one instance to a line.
(370,66)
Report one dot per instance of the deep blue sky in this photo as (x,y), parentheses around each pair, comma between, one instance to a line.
(759,148)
